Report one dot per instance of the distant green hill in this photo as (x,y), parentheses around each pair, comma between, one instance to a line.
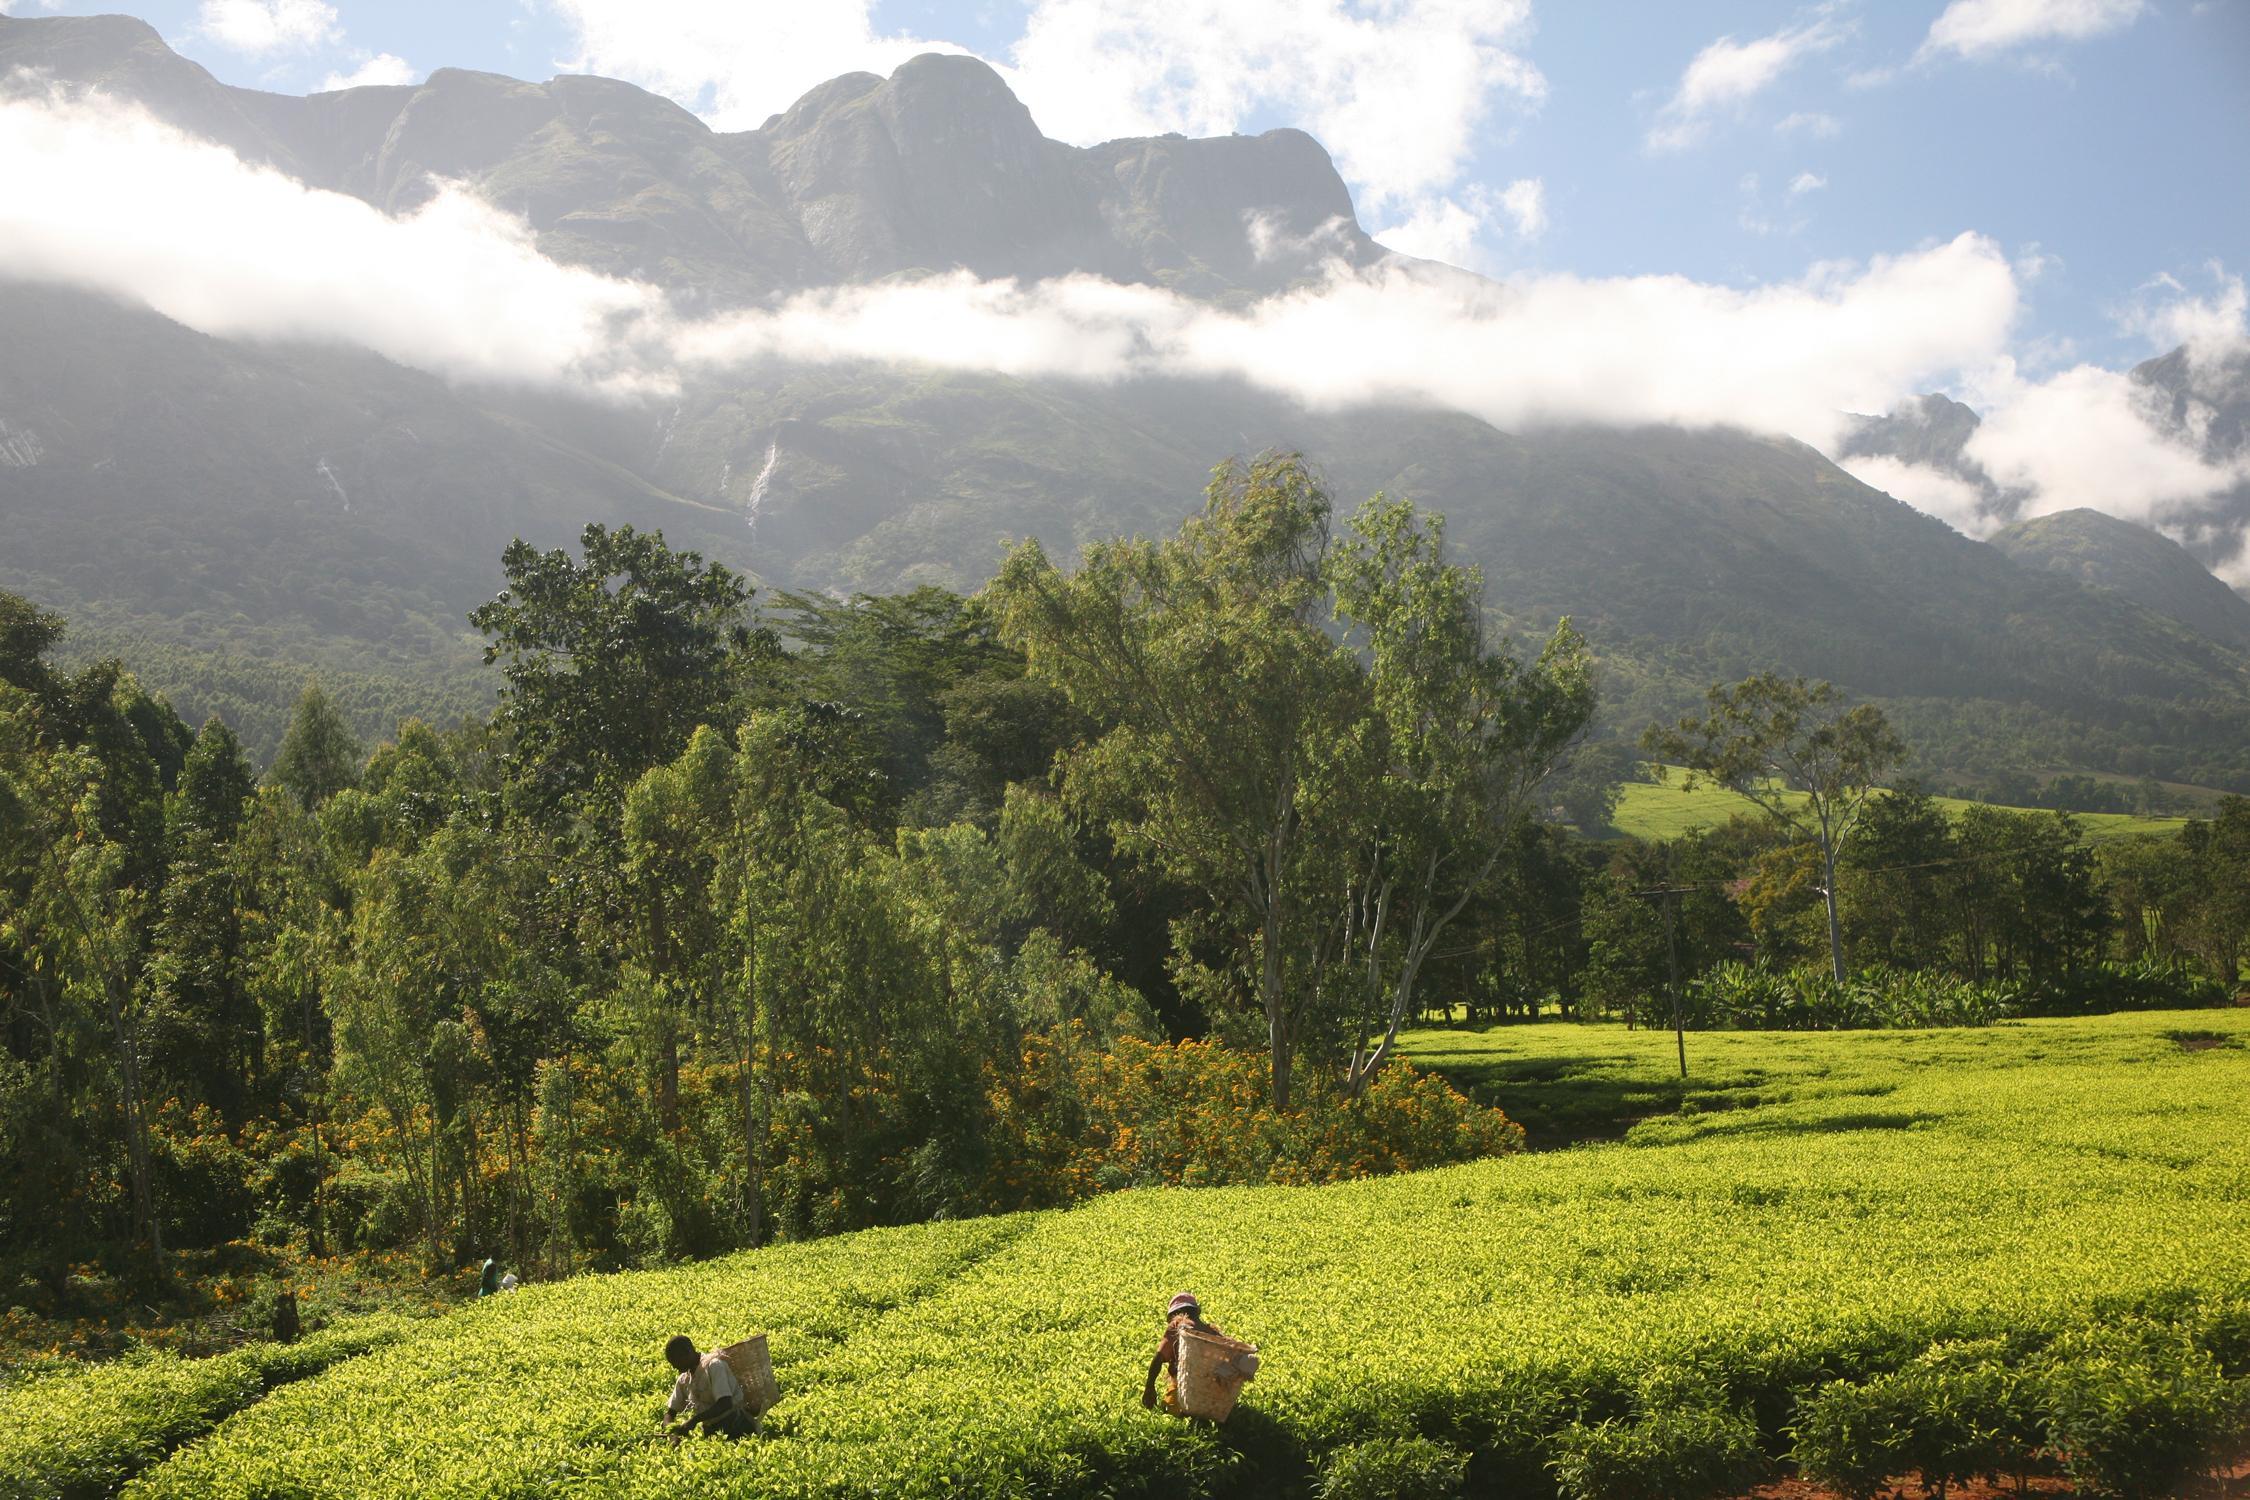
(1668,810)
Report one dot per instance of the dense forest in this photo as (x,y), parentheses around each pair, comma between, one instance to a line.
(748,918)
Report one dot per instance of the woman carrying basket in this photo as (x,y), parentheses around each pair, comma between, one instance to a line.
(1182,1318)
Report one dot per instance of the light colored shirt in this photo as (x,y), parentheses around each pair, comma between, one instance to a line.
(711,1383)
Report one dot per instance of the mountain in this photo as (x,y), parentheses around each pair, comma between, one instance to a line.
(242,511)
(2145,566)
(1931,430)
(2200,402)
(229,516)
(936,167)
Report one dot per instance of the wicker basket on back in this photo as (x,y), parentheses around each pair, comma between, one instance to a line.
(753,1366)
(1210,1373)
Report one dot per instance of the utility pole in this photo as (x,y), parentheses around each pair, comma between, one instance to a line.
(1667,899)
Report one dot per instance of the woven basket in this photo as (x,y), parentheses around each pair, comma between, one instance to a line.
(1210,1373)
(753,1366)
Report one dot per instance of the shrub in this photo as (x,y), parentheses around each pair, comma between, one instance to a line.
(203,1179)
(2145,984)
(2135,1412)
(84,1431)
(2222,1329)
(1394,1468)
(1753,997)
(1076,1119)
(1950,1416)
(1681,1453)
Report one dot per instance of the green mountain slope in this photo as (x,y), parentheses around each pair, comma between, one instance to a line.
(2145,566)
(229,517)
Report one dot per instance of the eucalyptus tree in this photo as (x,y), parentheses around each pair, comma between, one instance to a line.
(1204,661)
(1798,751)
(319,754)
(1442,774)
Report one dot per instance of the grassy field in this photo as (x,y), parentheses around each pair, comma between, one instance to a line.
(1806,1207)
(1670,811)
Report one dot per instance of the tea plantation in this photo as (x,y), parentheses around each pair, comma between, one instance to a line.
(1819,1246)
(1670,810)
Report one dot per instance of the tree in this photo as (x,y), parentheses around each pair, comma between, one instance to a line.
(319,756)
(1446,766)
(1797,751)
(2217,918)
(611,663)
(1900,865)
(1205,662)
(74,926)
(204,1022)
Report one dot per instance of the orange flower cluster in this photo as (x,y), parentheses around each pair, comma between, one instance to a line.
(1076,1119)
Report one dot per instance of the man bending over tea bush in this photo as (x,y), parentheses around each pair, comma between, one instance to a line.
(706,1390)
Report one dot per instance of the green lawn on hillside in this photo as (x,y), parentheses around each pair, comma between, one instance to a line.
(1813,1205)
(1647,810)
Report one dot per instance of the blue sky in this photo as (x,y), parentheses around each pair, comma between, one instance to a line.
(2099,162)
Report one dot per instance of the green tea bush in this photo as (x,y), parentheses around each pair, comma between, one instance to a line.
(1394,1468)
(2136,1412)
(1951,1417)
(84,1432)
(1685,1453)
(1635,1318)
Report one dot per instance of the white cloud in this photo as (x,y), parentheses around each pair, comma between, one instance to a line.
(1398,89)
(259,27)
(1949,497)
(382,68)
(1806,182)
(2091,437)
(1453,229)
(1525,203)
(459,288)
(1756,218)
(1728,73)
(1441,229)
(1985,28)
(736,63)
(1820,127)
(2215,329)
(1539,350)
(2094,437)
(456,287)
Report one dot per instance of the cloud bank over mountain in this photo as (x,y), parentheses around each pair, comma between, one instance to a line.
(458,287)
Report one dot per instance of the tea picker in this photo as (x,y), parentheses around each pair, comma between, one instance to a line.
(1208,1369)
(725,1391)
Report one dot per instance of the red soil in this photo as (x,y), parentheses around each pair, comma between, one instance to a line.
(2231,1484)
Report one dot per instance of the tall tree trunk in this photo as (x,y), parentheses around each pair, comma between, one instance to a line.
(753,1187)
(668,1080)
(1278,1038)
(137,1156)
(434,1198)
(471,1177)
(1828,894)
